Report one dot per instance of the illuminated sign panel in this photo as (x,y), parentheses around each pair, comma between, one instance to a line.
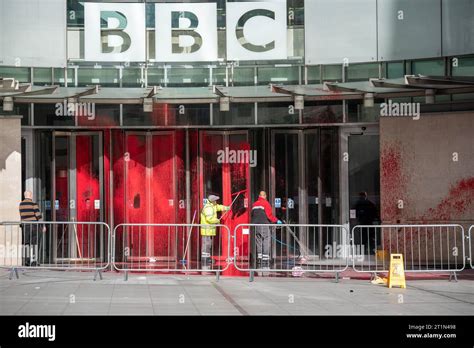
(114,32)
(185,32)
(256,30)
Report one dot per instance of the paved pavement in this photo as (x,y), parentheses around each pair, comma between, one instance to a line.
(74,293)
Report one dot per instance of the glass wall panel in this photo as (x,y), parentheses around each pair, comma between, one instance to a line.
(156,76)
(195,77)
(464,66)
(322,112)
(286,176)
(58,75)
(312,180)
(332,73)
(132,77)
(395,69)
(243,76)
(99,115)
(167,115)
(329,176)
(362,72)
(239,114)
(357,112)
(20,74)
(288,75)
(313,74)
(133,115)
(47,115)
(181,115)
(106,77)
(219,76)
(432,67)
(43,169)
(364,176)
(24,111)
(277,113)
(42,76)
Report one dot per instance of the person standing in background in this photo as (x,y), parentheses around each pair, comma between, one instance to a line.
(29,211)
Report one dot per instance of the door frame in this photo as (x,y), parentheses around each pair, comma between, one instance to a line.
(149,174)
(344,134)
(226,135)
(225,172)
(72,185)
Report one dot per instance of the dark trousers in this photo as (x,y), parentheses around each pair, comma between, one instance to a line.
(31,235)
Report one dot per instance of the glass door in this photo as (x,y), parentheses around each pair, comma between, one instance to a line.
(150,193)
(77,193)
(225,168)
(360,177)
(304,184)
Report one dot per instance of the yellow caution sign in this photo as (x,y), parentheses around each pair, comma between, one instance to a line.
(396,276)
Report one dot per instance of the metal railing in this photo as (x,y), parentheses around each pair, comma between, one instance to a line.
(43,245)
(295,248)
(471,241)
(170,248)
(425,248)
(177,248)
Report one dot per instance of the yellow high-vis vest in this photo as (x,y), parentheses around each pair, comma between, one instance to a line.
(209,217)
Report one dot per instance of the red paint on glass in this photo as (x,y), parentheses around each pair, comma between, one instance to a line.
(88,192)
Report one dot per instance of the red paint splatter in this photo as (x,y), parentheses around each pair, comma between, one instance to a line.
(393,182)
(458,201)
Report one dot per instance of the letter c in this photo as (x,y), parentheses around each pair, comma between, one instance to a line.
(239,30)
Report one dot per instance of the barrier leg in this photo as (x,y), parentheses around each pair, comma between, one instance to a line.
(125,276)
(337,277)
(13,271)
(251,276)
(217,276)
(453,275)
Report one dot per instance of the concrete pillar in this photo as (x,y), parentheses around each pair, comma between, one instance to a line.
(10,188)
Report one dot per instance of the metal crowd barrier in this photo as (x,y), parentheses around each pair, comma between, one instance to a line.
(43,245)
(170,248)
(295,248)
(425,248)
(471,241)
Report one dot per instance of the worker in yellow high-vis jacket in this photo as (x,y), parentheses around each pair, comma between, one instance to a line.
(209,218)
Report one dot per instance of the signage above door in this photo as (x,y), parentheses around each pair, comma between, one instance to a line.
(116,32)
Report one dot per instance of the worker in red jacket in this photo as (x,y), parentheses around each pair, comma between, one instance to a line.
(262,214)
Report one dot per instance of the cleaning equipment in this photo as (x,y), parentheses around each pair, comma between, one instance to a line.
(231,204)
(184,261)
(303,249)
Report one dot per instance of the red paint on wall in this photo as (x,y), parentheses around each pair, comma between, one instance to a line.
(459,200)
(393,182)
